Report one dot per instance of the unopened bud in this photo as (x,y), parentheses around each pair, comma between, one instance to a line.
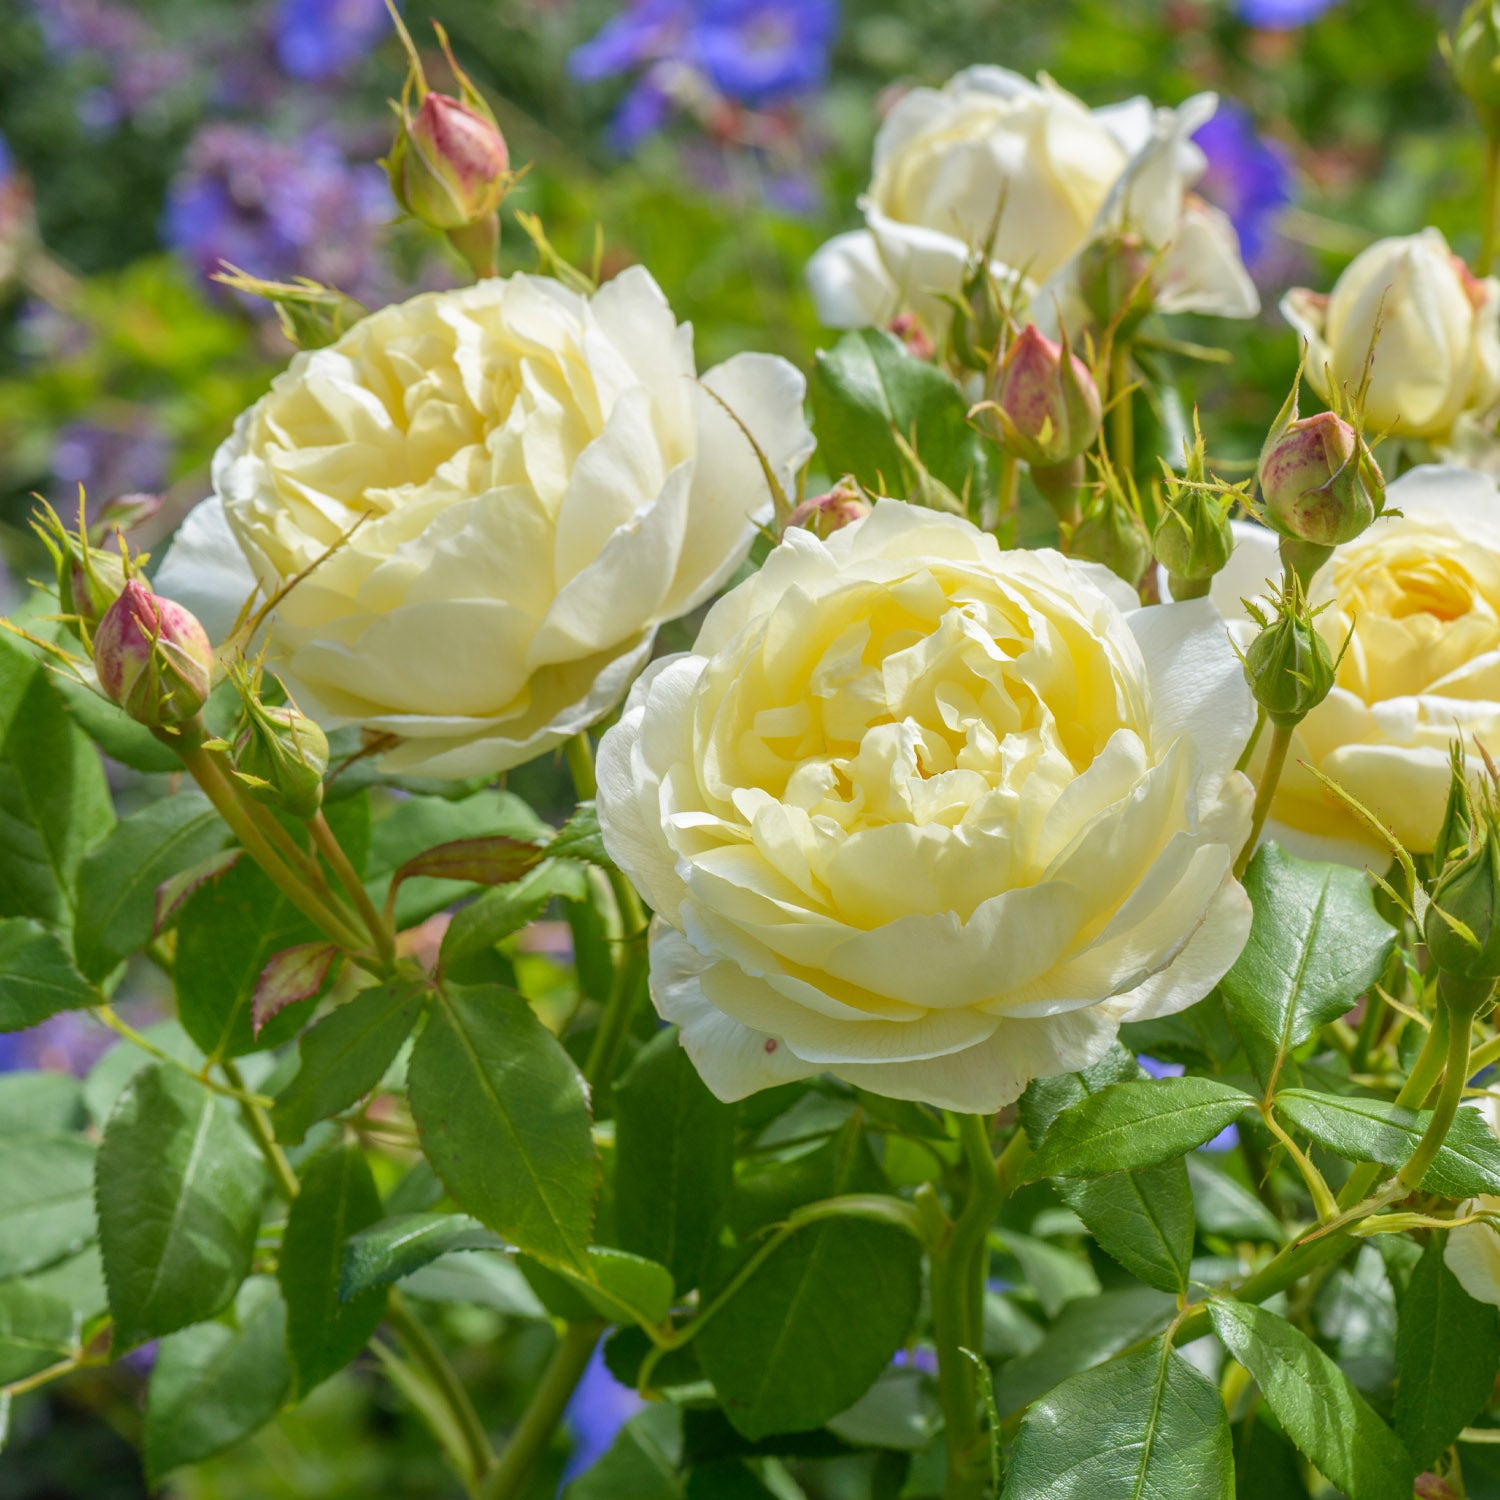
(89,579)
(1112,533)
(1474,52)
(153,657)
(1115,279)
(1317,483)
(1046,401)
(311,315)
(281,757)
(1458,815)
(1288,665)
(908,328)
(822,515)
(450,165)
(1193,539)
(1462,930)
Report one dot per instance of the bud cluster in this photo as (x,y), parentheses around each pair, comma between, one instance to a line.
(1462,926)
(1111,530)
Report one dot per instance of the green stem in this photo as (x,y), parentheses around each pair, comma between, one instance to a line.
(106,1016)
(579,754)
(1248,753)
(958,1275)
(1008,499)
(478,1456)
(265,1138)
(1369,1031)
(1455,1076)
(1419,1081)
(1486,260)
(1121,412)
(326,840)
(529,1441)
(1281,742)
(226,801)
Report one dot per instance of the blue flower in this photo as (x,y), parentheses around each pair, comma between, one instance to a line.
(1249,177)
(278,209)
(1282,15)
(750,52)
(319,38)
(599,1408)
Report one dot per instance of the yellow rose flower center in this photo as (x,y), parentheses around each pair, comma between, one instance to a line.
(943,714)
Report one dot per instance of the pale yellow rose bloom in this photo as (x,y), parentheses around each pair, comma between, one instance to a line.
(519,484)
(930,816)
(1421,593)
(1438,355)
(1057,173)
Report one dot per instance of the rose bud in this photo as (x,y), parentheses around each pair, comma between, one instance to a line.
(153,657)
(1452,841)
(1462,930)
(1313,480)
(281,756)
(1046,401)
(822,515)
(1474,53)
(449,165)
(1288,665)
(89,580)
(1193,538)
(1114,278)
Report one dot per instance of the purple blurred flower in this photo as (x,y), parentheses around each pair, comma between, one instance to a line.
(750,52)
(600,1407)
(1282,15)
(1249,177)
(319,38)
(1158,1069)
(110,461)
(279,209)
(140,69)
(69,1042)
(922,1358)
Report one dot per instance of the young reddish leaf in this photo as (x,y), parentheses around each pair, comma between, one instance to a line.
(293,974)
(494,860)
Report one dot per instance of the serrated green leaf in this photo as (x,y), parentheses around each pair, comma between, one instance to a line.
(392,1248)
(1147,1426)
(1143,1217)
(324,1331)
(47,1188)
(1316,945)
(482,1278)
(1056,1276)
(622,1287)
(579,838)
(37,975)
(674,1158)
(1466,1165)
(230,928)
(1316,1403)
(810,1330)
(216,1383)
(1086,1334)
(1136,1124)
(504,1119)
(1447,1357)
(118,878)
(498,913)
(41,1104)
(178,1185)
(868,385)
(107,1078)
(54,800)
(345,1055)
(37,1329)
(419,823)
(78,1280)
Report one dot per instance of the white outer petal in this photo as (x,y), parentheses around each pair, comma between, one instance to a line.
(1473,1254)
(850,285)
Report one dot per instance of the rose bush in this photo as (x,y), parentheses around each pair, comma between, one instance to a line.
(904,753)
(993,150)
(1420,591)
(485,501)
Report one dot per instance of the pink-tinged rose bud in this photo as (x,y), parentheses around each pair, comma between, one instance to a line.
(1046,401)
(450,166)
(908,328)
(822,515)
(1314,481)
(1431,1487)
(153,657)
